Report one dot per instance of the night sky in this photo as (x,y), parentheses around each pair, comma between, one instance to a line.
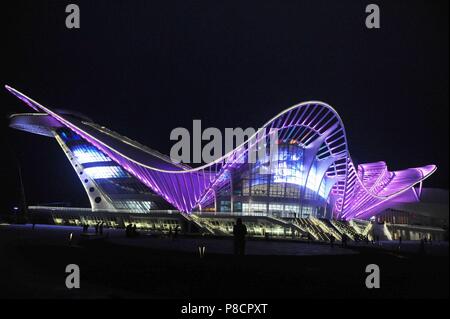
(143,68)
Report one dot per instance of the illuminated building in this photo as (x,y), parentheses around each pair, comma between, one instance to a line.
(314,173)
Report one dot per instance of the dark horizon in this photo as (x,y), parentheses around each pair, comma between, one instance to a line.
(142,69)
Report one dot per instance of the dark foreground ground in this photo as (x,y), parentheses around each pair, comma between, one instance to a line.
(32,265)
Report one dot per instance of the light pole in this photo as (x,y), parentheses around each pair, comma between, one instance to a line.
(22,187)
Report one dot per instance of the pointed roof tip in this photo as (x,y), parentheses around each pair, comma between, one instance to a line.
(12,90)
(430,169)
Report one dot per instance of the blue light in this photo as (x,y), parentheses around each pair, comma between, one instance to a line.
(100,172)
(69,136)
(89,154)
(290,169)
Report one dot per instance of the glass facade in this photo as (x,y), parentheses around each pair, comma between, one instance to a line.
(105,178)
(134,205)
(100,172)
(291,187)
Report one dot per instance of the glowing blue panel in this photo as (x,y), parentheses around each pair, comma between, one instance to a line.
(289,167)
(89,154)
(69,136)
(314,180)
(100,172)
(322,190)
(284,174)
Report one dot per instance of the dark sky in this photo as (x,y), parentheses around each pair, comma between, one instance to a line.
(143,68)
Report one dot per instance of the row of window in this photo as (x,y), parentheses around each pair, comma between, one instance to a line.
(123,186)
(100,172)
(88,154)
(135,205)
(273,208)
(277,190)
(112,179)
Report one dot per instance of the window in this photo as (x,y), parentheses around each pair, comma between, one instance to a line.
(276,190)
(245,188)
(134,205)
(309,194)
(88,154)
(123,186)
(292,191)
(275,208)
(322,189)
(225,206)
(308,211)
(257,207)
(289,167)
(292,209)
(99,172)
(259,190)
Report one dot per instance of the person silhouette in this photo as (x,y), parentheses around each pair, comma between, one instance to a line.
(175,235)
(128,230)
(422,247)
(239,233)
(332,240)
(344,240)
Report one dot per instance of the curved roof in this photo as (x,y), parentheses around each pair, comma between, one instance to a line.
(315,125)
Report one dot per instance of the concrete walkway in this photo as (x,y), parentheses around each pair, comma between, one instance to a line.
(59,235)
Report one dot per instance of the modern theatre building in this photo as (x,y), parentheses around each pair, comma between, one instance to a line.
(314,175)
